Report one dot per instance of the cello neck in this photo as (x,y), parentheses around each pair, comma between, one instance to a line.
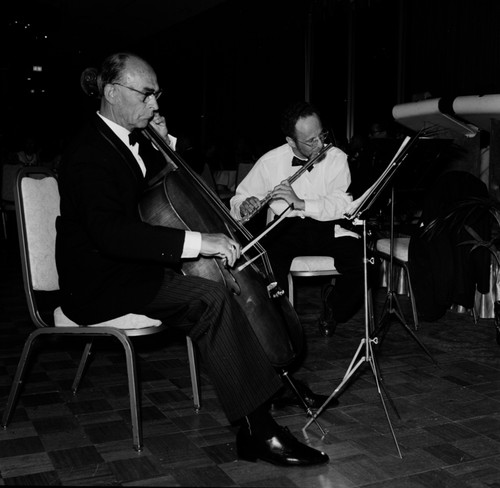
(175,161)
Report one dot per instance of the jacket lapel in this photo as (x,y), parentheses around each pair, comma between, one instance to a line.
(119,147)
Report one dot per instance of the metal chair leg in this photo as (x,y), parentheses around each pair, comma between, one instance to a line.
(81,367)
(290,289)
(412,296)
(135,416)
(474,315)
(19,376)
(193,369)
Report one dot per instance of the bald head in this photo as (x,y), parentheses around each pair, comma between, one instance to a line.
(129,90)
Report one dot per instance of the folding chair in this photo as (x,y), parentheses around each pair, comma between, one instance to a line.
(400,259)
(37,206)
(310,266)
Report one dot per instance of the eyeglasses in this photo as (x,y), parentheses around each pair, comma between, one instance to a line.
(146,95)
(315,140)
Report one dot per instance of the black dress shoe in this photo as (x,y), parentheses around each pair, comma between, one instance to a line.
(282,449)
(313,400)
(327,327)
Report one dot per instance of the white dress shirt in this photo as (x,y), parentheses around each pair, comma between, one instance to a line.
(323,189)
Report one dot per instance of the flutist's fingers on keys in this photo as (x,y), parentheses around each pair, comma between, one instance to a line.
(250,205)
(284,191)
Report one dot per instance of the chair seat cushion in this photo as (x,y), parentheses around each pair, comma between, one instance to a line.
(313,263)
(125,322)
(400,247)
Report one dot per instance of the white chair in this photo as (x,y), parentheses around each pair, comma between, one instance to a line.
(309,266)
(9,173)
(37,206)
(400,259)
(306,266)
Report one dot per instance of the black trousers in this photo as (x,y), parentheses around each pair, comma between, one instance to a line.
(295,236)
(238,367)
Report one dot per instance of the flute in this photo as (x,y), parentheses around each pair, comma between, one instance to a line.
(290,179)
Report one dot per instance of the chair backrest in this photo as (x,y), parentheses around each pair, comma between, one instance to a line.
(37,207)
(9,173)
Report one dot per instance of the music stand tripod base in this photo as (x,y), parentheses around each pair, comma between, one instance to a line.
(365,346)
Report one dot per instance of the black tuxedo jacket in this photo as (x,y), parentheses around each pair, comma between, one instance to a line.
(109,261)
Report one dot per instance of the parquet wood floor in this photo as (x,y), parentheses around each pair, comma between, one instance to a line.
(448,430)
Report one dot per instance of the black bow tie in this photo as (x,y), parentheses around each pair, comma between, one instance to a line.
(300,162)
(134,136)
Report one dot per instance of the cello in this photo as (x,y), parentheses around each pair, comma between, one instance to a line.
(178,197)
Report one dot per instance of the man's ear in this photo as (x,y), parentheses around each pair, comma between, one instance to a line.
(291,142)
(109,93)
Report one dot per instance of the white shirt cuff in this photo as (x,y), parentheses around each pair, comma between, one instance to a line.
(192,245)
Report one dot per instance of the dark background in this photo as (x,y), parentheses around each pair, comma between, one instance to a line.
(229,67)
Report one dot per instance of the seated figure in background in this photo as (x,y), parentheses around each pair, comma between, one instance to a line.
(319,198)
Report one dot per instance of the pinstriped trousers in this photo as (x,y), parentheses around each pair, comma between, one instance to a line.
(238,367)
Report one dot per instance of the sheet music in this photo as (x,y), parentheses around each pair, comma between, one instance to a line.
(356,204)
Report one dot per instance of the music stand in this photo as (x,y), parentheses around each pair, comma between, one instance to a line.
(365,354)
